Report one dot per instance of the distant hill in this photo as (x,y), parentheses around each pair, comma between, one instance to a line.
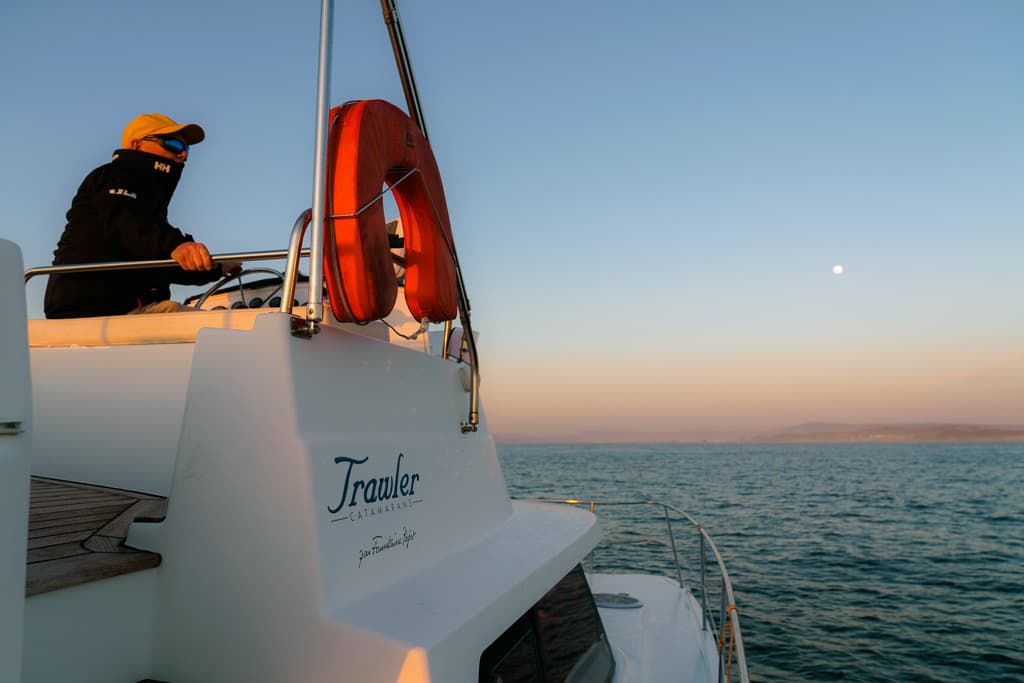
(928,431)
(626,436)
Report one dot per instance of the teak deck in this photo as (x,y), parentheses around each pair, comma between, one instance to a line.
(76,533)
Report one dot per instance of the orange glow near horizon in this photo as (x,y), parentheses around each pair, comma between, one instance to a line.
(659,397)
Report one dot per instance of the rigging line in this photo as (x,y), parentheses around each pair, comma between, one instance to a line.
(376,199)
(402,60)
(461,285)
(424,327)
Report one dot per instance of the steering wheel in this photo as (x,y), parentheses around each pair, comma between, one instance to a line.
(241,290)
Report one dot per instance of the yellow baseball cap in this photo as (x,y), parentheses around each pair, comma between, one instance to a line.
(145,125)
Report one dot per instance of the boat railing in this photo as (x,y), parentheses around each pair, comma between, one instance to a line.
(157,263)
(723,622)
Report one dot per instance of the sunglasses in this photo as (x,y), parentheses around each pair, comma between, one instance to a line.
(172,145)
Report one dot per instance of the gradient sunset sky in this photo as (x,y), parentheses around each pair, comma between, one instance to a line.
(648,198)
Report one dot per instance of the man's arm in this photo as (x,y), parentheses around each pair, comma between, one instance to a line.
(140,236)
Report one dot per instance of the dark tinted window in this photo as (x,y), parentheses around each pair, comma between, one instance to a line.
(512,658)
(560,640)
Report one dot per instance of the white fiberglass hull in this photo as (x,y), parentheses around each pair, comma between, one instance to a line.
(327,518)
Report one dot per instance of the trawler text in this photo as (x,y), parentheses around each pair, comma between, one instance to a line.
(375,489)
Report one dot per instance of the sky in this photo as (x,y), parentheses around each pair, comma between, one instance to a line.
(648,198)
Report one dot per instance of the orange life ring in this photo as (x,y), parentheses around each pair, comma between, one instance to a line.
(372,143)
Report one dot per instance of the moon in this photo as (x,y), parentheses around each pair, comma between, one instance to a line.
(837,269)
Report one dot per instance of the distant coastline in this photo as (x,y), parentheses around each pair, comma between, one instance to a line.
(811,432)
(893,433)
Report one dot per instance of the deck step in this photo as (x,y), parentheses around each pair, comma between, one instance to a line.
(77,531)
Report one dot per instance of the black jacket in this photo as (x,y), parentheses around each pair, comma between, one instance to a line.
(120,214)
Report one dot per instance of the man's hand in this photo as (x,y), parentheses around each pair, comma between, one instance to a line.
(192,256)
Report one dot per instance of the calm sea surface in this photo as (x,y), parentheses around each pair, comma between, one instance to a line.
(850,562)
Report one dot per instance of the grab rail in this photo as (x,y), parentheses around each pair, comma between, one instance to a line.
(158,263)
(728,613)
(295,252)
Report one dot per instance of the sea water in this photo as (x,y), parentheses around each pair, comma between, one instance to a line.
(850,562)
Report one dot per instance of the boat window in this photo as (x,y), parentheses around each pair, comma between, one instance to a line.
(559,640)
(513,657)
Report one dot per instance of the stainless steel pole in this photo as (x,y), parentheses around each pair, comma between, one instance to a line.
(315,307)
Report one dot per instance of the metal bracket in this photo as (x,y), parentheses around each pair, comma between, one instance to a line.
(10,427)
(304,329)
(314,314)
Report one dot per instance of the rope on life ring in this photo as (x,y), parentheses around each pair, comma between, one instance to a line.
(371,144)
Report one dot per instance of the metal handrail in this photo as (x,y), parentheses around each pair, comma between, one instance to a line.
(295,252)
(158,263)
(728,611)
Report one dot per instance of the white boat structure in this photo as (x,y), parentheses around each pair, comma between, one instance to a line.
(266,493)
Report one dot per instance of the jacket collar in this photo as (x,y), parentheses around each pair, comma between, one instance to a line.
(160,175)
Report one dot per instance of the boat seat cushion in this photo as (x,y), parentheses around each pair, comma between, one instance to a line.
(151,328)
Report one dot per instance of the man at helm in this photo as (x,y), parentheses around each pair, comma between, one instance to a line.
(120,214)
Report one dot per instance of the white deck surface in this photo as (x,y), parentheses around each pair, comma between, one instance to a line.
(661,641)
